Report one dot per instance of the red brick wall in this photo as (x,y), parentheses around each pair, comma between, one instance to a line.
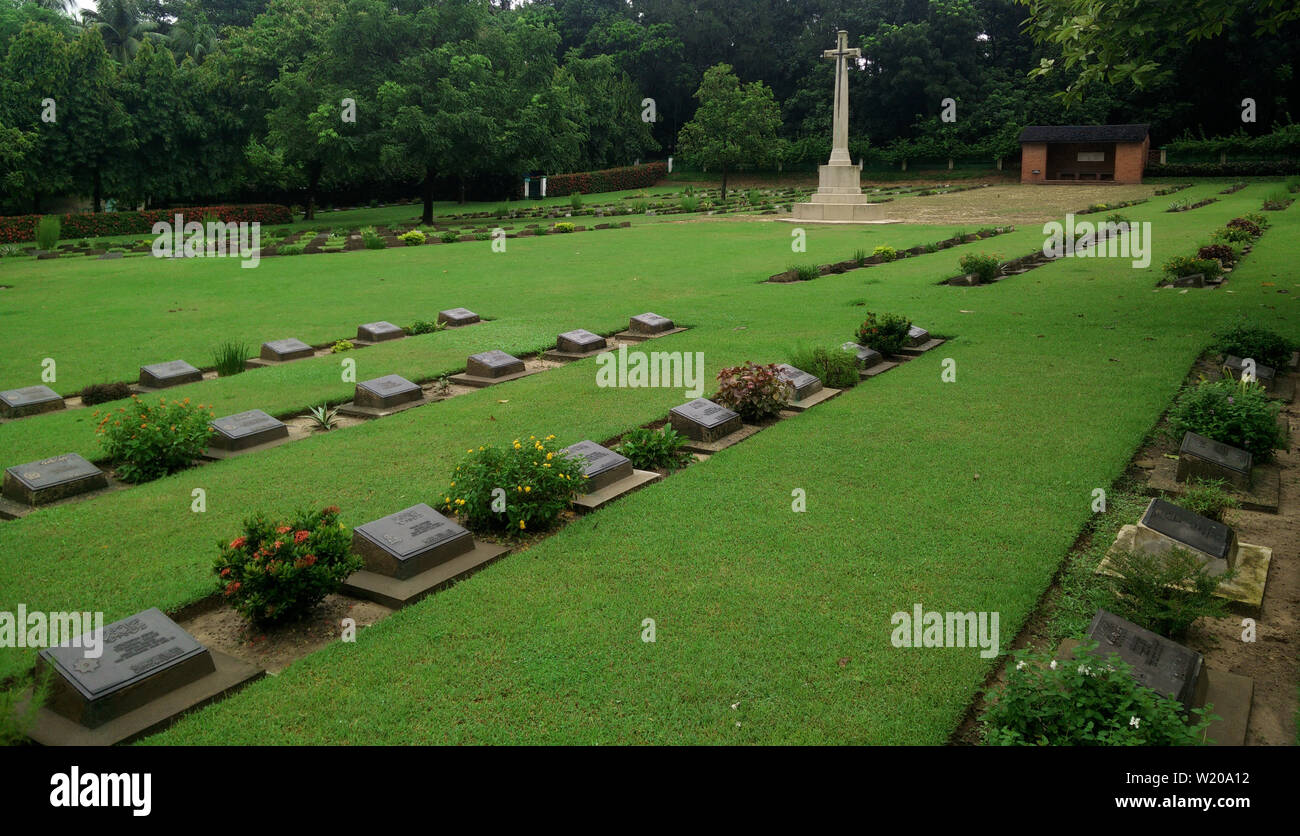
(1033,155)
(1130,159)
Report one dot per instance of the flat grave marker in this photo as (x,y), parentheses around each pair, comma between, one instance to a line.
(575,345)
(705,421)
(387,392)
(1158,663)
(150,671)
(609,474)
(280,351)
(171,373)
(1204,458)
(870,361)
(1192,531)
(648,326)
(29,400)
(244,431)
(412,553)
(378,332)
(458,317)
(49,480)
(488,368)
(805,385)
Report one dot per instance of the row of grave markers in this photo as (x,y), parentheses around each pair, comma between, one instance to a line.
(1159,663)
(34,484)
(152,670)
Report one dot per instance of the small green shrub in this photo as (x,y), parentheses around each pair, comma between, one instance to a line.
(98,393)
(291,249)
(885,252)
(538,481)
(229,358)
(575,200)
(1165,593)
(1118,219)
(564,226)
(654,449)
(325,417)
(1238,413)
(859,257)
(373,241)
(689,203)
(1207,497)
(276,572)
(48,230)
(1246,225)
(1231,235)
(805,272)
(983,265)
(1084,701)
(16,721)
(148,442)
(1263,346)
(1182,265)
(340,346)
(836,367)
(886,333)
(424,326)
(755,391)
(753,197)
(448,236)
(413,238)
(1277,199)
(640,206)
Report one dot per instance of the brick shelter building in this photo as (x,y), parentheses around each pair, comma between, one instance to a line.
(1087,153)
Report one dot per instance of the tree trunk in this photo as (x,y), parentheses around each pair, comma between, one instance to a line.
(461,180)
(724,184)
(97,192)
(313,180)
(36,203)
(427,217)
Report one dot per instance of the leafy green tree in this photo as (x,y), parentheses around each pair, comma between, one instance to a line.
(1132,41)
(123,26)
(34,83)
(607,112)
(95,125)
(735,126)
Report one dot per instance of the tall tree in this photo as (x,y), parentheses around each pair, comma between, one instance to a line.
(97,128)
(735,126)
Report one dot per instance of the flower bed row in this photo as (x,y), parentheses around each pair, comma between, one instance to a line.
(1212,261)
(881,255)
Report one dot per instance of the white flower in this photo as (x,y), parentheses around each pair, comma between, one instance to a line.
(1053,665)
(1021,665)
(1084,669)
(1134,722)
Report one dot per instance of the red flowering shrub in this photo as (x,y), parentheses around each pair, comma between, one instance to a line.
(886,333)
(754,391)
(1249,226)
(276,571)
(18,228)
(609,180)
(1222,252)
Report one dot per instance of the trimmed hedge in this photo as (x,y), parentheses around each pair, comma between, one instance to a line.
(19,228)
(609,180)
(1242,168)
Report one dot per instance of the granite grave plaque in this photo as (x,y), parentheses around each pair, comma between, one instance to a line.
(601,466)
(174,373)
(279,351)
(703,420)
(649,323)
(29,400)
(1194,532)
(386,392)
(377,332)
(409,542)
(579,342)
(144,657)
(1204,458)
(492,364)
(917,335)
(1162,665)
(246,429)
(804,384)
(456,317)
(1264,375)
(49,480)
(867,357)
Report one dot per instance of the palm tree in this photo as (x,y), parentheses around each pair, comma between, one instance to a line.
(122,27)
(192,35)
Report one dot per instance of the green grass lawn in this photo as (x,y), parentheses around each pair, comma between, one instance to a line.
(959,496)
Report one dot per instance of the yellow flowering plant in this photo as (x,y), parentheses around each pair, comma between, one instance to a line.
(536,480)
(149,441)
